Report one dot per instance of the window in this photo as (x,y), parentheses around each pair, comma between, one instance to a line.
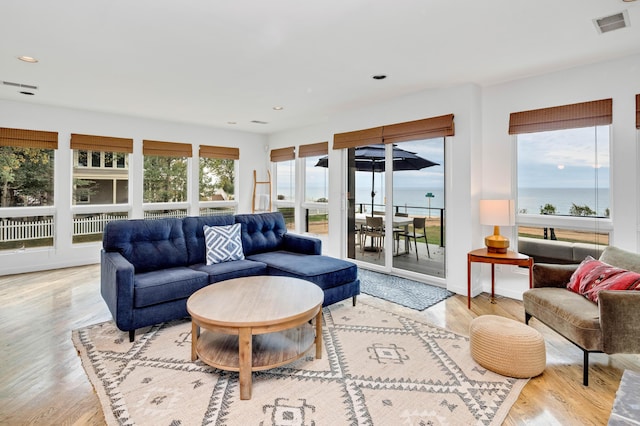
(316,172)
(26,167)
(285,171)
(217,173)
(165,171)
(563,176)
(104,180)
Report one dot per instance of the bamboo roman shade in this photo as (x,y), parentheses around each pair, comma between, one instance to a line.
(314,149)
(411,130)
(28,138)
(419,129)
(166,149)
(101,143)
(585,114)
(219,152)
(283,154)
(637,111)
(357,138)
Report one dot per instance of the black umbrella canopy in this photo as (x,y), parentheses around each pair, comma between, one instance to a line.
(371,158)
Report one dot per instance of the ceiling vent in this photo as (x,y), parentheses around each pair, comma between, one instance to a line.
(258,122)
(613,22)
(20,85)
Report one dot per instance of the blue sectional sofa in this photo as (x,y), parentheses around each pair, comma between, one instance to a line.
(149,268)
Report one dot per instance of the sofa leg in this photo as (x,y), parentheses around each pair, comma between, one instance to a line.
(527,317)
(585,369)
(132,335)
(354,300)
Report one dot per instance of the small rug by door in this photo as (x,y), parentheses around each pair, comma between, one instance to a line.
(381,365)
(405,292)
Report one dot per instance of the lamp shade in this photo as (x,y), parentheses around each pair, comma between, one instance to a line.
(497,212)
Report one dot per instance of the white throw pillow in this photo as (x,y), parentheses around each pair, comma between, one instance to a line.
(223,243)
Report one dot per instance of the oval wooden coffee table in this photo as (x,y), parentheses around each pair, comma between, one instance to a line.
(255,323)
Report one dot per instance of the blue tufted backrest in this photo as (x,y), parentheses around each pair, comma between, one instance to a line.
(149,244)
(193,227)
(262,232)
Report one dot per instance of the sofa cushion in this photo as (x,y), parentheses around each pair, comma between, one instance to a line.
(228,270)
(193,227)
(325,271)
(593,276)
(568,313)
(223,243)
(262,232)
(148,245)
(150,288)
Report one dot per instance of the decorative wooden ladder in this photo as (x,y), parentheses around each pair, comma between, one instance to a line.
(256,182)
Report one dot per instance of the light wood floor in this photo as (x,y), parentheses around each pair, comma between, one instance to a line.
(43,382)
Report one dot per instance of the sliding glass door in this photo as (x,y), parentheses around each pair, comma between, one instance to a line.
(399,225)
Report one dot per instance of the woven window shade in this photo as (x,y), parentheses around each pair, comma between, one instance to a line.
(283,154)
(166,149)
(585,114)
(219,152)
(101,143)
(637,111)
(314,149)
(28,138)
(419,129)
(357,138)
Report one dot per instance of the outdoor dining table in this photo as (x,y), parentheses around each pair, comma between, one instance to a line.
(398,222)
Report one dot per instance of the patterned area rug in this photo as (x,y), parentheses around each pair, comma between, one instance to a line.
(381,365)
(405,292)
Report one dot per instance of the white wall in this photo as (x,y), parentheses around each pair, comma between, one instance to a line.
(66,121)
(462,163)
(617,79)
(480,158)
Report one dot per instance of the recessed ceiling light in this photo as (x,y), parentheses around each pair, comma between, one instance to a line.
(232,122)
(28,59)
(278,108)
(379,77)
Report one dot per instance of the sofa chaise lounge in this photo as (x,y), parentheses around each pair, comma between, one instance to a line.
(149,268)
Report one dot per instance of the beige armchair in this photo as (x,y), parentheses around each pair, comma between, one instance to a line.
(611,326)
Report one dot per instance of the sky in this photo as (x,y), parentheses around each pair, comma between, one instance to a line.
(564,158)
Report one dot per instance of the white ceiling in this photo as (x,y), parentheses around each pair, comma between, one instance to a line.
(212,62)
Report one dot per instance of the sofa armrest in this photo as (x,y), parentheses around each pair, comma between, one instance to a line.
(116,287)
(302,244)
(620,320)
(552,275)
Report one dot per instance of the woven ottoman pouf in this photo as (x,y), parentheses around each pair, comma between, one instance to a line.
(507,347)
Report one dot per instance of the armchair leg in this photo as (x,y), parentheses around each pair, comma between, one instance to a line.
(354,300)
(132,335)
(527,317)
(585,369)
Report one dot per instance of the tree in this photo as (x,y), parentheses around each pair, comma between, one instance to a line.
(216,173)
(26,176)
(165,179)
(577,210)
(548,209)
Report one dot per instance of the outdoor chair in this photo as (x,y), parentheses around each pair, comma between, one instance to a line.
(374,230)
(418,223)
(398,232)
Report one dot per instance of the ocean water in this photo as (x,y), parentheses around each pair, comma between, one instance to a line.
(530,200)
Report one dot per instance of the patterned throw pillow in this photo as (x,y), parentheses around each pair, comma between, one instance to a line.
(223,243)
(593,276)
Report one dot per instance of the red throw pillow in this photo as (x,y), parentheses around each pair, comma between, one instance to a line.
(593,276)
(586,266)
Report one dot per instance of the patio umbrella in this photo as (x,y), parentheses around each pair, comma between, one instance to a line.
(370,158)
